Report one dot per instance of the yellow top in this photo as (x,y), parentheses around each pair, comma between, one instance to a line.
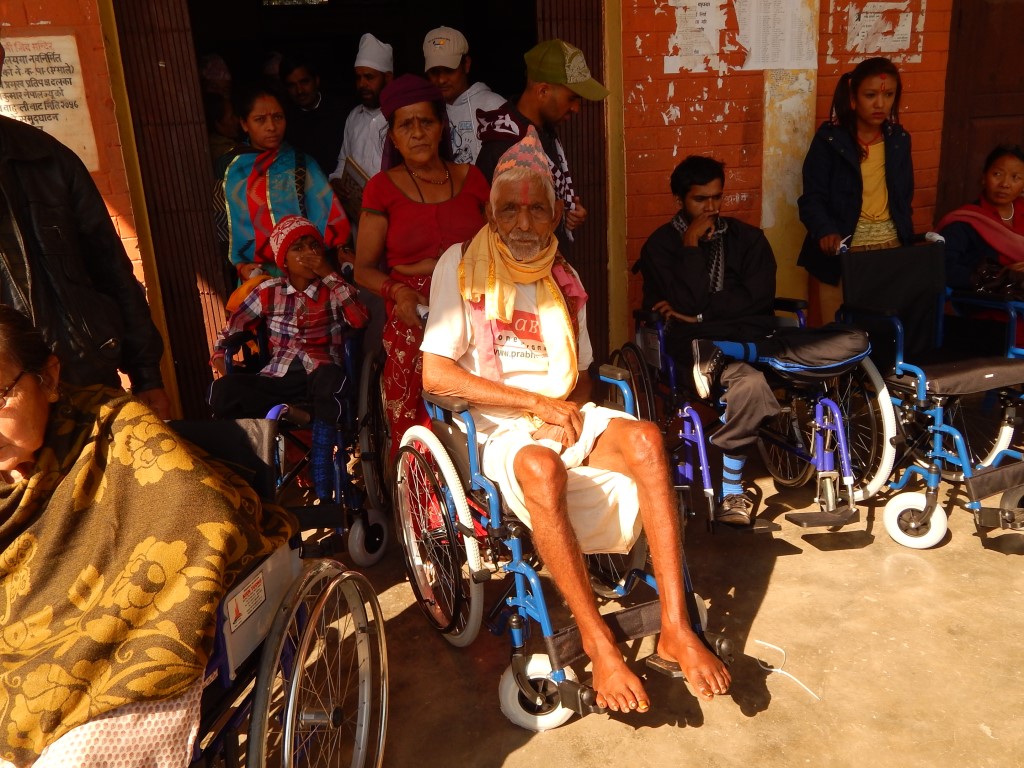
(875,224)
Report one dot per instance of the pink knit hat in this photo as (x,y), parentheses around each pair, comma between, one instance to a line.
(529,154)
(288,230)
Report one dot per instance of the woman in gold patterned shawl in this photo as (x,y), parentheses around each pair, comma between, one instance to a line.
(117,542)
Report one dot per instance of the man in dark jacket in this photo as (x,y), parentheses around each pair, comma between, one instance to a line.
(63,264)
(557,79)
(713,277)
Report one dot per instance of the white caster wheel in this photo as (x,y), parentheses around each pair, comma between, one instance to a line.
(902,517)
(527,714)
(368,538)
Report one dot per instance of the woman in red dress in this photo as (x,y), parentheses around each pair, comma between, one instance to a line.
(413,210)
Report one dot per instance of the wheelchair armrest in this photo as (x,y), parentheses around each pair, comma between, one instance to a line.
(445,403)
(785,304)
(608,372)
(646,316)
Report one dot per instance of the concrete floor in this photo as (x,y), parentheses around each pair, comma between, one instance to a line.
(912,655)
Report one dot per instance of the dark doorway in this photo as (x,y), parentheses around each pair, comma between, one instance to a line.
(983,95)
(245,33)
(160,43)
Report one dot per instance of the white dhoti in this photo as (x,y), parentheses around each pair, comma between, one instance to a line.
(604,509)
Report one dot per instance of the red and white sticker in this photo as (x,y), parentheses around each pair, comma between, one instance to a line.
(245,602)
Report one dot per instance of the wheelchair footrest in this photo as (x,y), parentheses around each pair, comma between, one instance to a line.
(757,525)
(995,517)
(320,516)
(578,697)
(835,519)
(329,546)
(664,666)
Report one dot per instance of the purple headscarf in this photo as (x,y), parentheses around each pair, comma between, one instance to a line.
(402,92)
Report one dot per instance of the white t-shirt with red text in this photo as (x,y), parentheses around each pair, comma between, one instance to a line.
(518,347)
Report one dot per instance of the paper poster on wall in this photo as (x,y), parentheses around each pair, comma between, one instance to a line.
(892,28)
(42,84)
(779,34)
(721,35)
(706,37)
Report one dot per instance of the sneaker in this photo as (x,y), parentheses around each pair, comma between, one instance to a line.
(735,509)
(708,362)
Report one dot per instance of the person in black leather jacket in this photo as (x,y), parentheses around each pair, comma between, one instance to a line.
(63,264)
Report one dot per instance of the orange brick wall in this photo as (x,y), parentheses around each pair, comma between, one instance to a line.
(670,116)
(81,17)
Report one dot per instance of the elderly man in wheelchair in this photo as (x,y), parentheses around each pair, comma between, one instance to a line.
(507,333)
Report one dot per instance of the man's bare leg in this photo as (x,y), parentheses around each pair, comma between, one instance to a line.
(636,449)
(543,478)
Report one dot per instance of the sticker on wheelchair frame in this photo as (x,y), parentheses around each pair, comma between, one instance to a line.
(246,601)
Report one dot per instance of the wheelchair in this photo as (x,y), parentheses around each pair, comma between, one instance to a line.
(357,511)
(456,538)
(299,665)
(956,415)
(374,433)
(834,426)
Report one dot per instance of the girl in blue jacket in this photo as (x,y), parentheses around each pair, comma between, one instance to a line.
(858,180)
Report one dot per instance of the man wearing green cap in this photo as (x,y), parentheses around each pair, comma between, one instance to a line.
(557,79)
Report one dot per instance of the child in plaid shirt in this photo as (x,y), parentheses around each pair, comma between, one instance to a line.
(306,313)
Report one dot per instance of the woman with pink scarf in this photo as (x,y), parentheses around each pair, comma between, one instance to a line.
(990,230)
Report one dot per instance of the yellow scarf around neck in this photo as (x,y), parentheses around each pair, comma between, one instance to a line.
(488,271)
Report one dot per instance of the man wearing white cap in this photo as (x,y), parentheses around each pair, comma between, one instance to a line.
(557,79)
(364,129)
(446,62)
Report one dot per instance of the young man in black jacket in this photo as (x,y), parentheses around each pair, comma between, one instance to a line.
(63,264)
(713,277)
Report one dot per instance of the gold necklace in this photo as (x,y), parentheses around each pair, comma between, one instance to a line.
(447,175)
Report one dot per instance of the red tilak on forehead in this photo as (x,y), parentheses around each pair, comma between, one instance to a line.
(524,192)
(882,76)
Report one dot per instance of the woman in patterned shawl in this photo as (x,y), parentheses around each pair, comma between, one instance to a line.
(117,542)
(266,180)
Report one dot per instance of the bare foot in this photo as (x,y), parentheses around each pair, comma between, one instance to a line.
(705,672)
(615,684)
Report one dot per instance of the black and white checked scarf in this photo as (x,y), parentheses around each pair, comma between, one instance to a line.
(715,251)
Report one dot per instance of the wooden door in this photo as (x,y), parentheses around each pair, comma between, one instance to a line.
(984,94)
(585,138)
(167,115)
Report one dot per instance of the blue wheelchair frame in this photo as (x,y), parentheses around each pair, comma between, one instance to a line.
(275,636)
(366,529)
(523,600)
(828,455)
(917,520)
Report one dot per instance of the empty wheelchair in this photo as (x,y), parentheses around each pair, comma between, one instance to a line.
(835,424)
(956,413)
(355,510)
(457,538)
(298,676)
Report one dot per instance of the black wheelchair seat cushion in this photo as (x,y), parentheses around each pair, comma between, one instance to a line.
(965,377)
(814,354)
